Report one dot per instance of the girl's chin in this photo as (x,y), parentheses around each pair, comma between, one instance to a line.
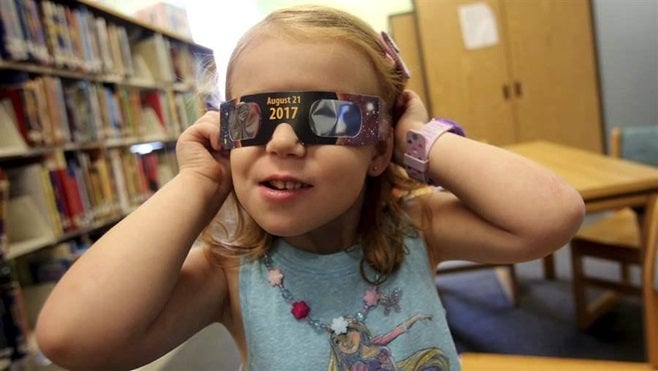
(283,230)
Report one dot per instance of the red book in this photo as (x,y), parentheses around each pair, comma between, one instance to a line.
(65,178)
(60,201)
(152,99)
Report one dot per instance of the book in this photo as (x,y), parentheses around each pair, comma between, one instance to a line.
(103,41)
(155,119)
(105,184)
(189,108)
(40,100)
(131,109)
(88,39)
(119,175)
(52,33)
(75,38)
(13,45)
(69,173)
(154,51)
(115,49)
(126,51)
(83,110)
(61,206)
(116,125)
(34,31)
(56,109)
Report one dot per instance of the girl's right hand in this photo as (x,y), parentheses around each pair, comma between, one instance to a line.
(198,151)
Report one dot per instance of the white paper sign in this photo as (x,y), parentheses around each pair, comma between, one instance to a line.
(479,26)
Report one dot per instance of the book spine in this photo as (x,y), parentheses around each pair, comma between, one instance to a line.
(58,193)
(51,33)
(35,31)
(14,39)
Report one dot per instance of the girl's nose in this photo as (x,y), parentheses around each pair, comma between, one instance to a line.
(284,142)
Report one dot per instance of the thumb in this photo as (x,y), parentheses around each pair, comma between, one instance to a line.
(411,108)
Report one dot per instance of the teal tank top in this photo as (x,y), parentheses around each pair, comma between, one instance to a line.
(406,329)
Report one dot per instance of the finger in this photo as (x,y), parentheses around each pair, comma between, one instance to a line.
(212,117)
(206,129)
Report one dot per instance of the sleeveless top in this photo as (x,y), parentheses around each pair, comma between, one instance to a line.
(406,330)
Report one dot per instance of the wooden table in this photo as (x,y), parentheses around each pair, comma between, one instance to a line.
(512,362)
(604,182)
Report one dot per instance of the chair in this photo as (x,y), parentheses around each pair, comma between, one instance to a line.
(650,289)
(615,237)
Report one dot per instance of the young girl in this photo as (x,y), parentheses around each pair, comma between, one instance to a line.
(328,260)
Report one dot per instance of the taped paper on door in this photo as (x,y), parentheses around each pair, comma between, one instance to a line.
(479,26)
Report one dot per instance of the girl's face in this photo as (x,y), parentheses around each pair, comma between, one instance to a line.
(296,191)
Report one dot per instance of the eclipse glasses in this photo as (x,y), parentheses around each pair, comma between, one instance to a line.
(317,117)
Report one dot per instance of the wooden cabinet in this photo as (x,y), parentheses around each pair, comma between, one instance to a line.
(403,31)
(538,80)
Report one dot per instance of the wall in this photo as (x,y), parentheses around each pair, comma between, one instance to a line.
(627,42)
(375,12)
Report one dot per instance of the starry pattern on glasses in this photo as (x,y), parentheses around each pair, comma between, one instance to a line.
(317,117)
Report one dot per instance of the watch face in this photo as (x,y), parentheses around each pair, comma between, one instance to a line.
(419,143)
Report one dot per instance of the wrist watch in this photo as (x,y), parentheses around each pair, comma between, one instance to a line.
(419,144)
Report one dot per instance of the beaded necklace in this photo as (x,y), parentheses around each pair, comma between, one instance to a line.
(301,310)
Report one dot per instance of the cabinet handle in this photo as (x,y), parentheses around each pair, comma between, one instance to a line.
(506,92)
(518,91)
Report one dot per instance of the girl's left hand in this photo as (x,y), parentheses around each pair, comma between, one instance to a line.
(413,115)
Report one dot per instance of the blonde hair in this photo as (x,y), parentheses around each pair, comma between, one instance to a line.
(383,224)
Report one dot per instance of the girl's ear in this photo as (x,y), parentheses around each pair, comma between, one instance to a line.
(382,157)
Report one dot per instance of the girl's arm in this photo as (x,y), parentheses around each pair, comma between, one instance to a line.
(139,291)
(501,207)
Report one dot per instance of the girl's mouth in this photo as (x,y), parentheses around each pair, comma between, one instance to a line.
(285,185)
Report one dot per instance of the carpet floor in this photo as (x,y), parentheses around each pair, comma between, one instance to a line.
(482,319)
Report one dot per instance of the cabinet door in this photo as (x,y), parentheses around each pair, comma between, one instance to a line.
(403,31)
(552,62)
(466,85)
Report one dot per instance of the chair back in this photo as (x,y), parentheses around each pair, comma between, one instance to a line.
(650,285)
(640,144)
(635,143)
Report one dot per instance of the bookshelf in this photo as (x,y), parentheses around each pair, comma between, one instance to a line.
(91,104)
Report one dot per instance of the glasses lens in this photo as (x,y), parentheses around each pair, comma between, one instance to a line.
(335,118)
(244,121)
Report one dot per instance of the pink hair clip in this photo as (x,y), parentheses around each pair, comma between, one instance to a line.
(393,52)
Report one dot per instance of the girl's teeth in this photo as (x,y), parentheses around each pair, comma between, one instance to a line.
(280,184)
